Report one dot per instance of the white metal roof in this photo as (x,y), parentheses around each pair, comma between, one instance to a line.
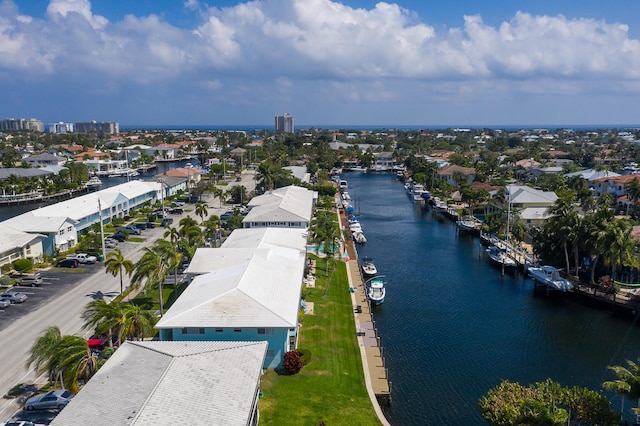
(294,238)
(29,222)
(527,195)
(171,383)
(288,204)
(259,290)
(13,238)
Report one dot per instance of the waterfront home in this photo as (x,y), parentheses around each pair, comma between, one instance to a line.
(449,171)
(167,383)
(45,159)
(191,174)
(16,244)
(532,204)
(384,161)
(290,206)
(247,295)
(60,231)
(616,186)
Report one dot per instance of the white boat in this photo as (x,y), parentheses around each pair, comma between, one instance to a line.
(343,185)
(416,192)
(94,182)
(550,276)
(368,267)
(358,237)
(440,206)
(345,196)
(469,224)
(501,259)
(376,291)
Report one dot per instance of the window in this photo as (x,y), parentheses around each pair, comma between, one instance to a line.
(265,331)
(69,229)
(237,330)
(61,232)
(219,330)
(193,330)
(270,353)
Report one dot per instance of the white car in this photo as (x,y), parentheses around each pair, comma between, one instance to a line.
(13,296)
(83,258)
(21,423)
(110,243)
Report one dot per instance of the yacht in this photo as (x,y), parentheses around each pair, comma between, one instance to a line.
(368,267)
(550,277)
(376,291)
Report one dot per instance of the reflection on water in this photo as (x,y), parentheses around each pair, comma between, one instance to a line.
(452,327)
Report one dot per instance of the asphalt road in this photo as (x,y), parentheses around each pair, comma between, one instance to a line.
(60,301)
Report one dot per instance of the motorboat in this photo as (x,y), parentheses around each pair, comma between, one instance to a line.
(343,185)
(550,277)
(440,206)
(368,267)
(469,224)
(417,191)
(376,291)
(94,182)
(359,237)
(500,258)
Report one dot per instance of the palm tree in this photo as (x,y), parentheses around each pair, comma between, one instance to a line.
(633,193)
(201,210)
(173,234)
(106,318)
(620,246)
(627,382)
(41,353)
(217,193)
(564,223)
(116,263)
(138,322)
(151,269)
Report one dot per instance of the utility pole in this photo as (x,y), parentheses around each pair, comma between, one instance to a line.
(104,253)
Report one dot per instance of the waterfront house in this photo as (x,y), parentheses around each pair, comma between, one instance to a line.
(172,383)
(16,244)
(617,186)
(449,171)
(532,204)
(290,206)
(384,161)
(247,295)
(45,159)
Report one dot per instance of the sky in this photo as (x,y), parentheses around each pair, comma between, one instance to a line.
(354,62)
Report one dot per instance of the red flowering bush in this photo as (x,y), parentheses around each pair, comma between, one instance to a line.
(292,362)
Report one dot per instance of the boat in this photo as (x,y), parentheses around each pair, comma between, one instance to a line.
(376,291)
(500,258)
(469,224)
(368,267)
(358,237)
(416,192)
(94,182)
(550,277)
(440,206)
(343,185)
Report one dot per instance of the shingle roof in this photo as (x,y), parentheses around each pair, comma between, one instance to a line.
(171,383)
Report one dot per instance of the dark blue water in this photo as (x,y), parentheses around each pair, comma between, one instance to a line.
(7,212)
(452,327)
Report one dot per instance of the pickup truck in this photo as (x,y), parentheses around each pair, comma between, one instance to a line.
(83,258)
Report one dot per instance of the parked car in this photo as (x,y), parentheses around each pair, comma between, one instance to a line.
(21,423)
(34,280)
(151,225)
(54,399)
(140,225)
(83,258)
(68,263)
(111,243)
(226,215)
(111,240)
(130,229)
(4,303)
(13,296)
(167,221)
(119,236)
(177,210)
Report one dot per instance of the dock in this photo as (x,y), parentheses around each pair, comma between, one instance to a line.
(376,373)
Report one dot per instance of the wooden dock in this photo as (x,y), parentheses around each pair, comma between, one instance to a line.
(368,339)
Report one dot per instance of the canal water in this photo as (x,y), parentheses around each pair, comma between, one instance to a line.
(7,212)
(452,327)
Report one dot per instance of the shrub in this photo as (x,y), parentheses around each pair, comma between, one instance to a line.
(305,356)
(292,362)
(22,265)
(5,281)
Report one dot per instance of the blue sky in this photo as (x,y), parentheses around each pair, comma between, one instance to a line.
(152,62)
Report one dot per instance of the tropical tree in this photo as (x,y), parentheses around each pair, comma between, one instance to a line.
(627,383)
(173,234)
(201,210)
(620,246)
(138,322)
(218,193)
(633,193)
(152,269)
(564,223)
(105,318)
(41,353)
(115,264)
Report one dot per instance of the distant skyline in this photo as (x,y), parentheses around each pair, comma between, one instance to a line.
(355,62)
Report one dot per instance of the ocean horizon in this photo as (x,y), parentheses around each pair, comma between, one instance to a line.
(270,127)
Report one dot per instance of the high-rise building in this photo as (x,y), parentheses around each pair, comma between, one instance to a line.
(110,127)
(284,123)
(22,124)
(61,127)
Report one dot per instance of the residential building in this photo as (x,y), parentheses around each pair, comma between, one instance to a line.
(284,123)
(172,383)
(45,159)
(531,204)
(59,233)
(61,128)
(287,207)
(384,161)
(110,127)
(16,244)
(31,124)
(450,171)
(248,294)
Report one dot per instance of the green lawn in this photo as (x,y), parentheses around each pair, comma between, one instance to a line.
(331,388)
(149,300)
